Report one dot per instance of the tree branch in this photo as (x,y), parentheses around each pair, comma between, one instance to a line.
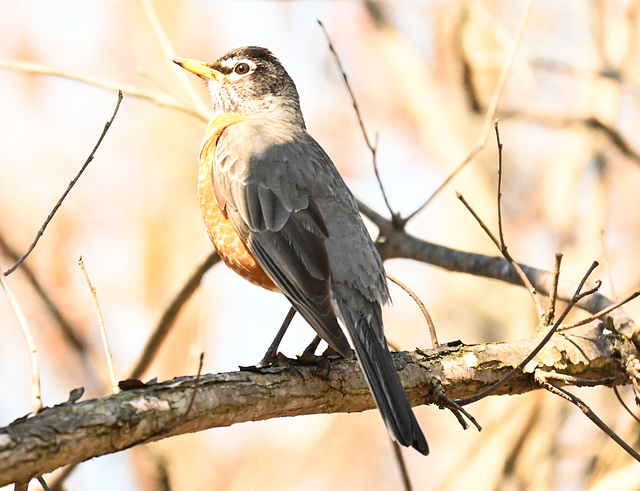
(71,433)
(395,243)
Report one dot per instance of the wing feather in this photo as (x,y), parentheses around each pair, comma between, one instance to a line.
(266,194)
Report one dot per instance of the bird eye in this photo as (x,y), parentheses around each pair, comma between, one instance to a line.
(242,68)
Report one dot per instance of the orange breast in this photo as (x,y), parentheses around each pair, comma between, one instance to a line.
(221,232)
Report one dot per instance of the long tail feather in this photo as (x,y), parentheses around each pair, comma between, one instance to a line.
(388,392)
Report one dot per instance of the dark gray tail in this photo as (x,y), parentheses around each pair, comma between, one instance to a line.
(382,377)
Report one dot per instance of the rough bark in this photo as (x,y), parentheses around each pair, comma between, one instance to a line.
(74,432)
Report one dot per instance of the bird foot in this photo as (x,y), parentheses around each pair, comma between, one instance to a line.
(275,360)
(271,358)
(319,361)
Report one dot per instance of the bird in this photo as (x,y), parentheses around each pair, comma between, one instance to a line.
(281,216)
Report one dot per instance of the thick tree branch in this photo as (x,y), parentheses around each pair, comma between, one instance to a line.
(394,243)
(71,433)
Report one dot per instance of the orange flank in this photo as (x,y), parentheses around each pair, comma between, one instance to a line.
(231,248)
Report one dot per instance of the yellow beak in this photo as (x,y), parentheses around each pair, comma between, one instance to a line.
(198,68)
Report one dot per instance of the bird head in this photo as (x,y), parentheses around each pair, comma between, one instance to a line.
(249,81)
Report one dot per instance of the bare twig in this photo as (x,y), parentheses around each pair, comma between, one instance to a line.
(576,297)
(499,191)
(460,413)
(36,395)
(484,227)
(103,331)
(395,217)
(423,309)
(625,405)
(503,245)
(394,243)
(584,382)
(200,107)
(402,466)
(66,192)
(503,249)
(550,313)
(158,98)
(347,85)
(541,378)
(491,110)
(602,312)
(371,146)
(43,483)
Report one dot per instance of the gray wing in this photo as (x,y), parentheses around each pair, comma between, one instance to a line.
(270,189)
(290,206)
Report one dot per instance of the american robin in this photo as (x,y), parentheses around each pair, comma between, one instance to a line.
(280,215)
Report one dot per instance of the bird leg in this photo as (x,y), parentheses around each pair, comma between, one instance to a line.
(309,353)
(271,356)
(308,356)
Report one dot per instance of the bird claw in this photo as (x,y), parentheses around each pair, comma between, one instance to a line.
(287,364)
(270,358)
(277,360)
(321,363)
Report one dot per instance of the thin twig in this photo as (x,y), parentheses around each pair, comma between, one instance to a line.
(371,146)
(453,406)
(584,382)
(347,85)
(576,297)
(499,191)
(547,319)
(160,99)
(503,245)
(624,404)
(36,395)
(486,229)
(491,110)
(400,244)
(402,466)
(541,379)
(103,331)
(503,250)
(66,192)
(170,54)
(603,312)
(43,483)
(158,336)
(395,217)
(423,309)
